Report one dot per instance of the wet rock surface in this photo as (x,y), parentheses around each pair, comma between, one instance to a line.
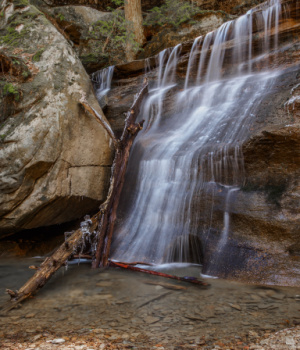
(264,214)
(114,309)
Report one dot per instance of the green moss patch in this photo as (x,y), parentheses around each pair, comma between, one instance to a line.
(10,95)
(21,3)
(10,89)
(10,36)
(37,56)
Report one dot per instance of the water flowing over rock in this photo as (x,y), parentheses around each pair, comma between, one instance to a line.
(54,159)
(218,158)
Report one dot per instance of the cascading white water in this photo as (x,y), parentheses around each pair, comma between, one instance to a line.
(102,81)
(179,162)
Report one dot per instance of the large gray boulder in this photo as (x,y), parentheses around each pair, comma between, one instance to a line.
(54,159)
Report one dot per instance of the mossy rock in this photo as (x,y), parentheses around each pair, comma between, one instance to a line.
(15,66)
(10,96)
(20,3)
(93,62)
(37,56)
(11,37)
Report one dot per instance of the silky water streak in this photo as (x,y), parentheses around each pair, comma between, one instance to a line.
(184,158)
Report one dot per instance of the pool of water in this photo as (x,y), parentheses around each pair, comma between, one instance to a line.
(130,307)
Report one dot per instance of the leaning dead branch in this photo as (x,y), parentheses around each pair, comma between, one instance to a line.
(109,208)
(99,119)
(101,225)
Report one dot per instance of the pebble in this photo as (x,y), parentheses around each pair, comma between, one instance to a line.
(253,334)
(255,297)
(150,319)
(103,296)
(58,341)
(236,307)
(104,284)
(37,337)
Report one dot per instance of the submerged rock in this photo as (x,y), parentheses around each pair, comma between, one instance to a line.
(54,159)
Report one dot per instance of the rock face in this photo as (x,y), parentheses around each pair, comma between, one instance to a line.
(54,159)
(263,243)
(170,36)
(75,21)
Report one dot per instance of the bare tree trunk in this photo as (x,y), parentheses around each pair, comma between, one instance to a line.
(133,14)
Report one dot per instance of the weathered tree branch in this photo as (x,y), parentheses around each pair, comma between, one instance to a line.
(161,274)
(99,119)
(49,266)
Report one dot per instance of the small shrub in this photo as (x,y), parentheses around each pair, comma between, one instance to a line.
(61,17)
(114,29)
(173,12)
(10,89)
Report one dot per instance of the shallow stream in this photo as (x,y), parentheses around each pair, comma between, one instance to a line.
(135,310)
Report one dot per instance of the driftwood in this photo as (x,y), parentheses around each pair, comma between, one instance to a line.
(101,225)
(46,270)
(161,274)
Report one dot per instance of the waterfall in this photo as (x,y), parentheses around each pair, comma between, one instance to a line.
(187,163)
(102,82)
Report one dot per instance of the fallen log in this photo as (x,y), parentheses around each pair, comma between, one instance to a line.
(161,274)
(100,227)
(47,269)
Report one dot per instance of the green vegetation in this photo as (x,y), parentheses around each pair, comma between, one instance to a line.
(94,58)
(114,29)
(20,3)
(37,56)
(90,58)
(173,12)
(25,74)
(10,89)
(10,36)
(61,17)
